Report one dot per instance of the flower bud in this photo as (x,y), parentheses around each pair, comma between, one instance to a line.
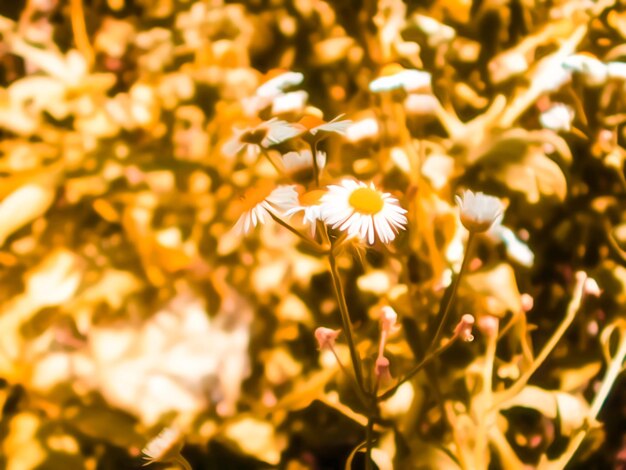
(326,337)
(479,211)
(382,367)
(464,328)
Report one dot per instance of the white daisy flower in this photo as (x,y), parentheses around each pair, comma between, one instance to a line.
(479,211)
(277,85)
(309,204)
(616,70)
(557,118)
(292,102)
(315,124)
(254,139)
(363,211)
(594,71)
(367,128)
(259,200)
(295,162)
(165,447)
(395,76)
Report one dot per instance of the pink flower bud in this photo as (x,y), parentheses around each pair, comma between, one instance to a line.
(488,325)
(326,337)
(382,367)
(464,328)
(527,302)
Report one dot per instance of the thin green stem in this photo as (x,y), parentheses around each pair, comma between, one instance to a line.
(182,461)
(616,366)
(572,308)
(345,320)
(312,243)
(316,170)
(455,286)
(369,441)
(272,162)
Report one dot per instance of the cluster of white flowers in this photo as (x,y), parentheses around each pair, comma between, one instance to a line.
(354,207)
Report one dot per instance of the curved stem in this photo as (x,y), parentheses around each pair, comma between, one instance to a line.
(345,320)
(182,461)
(316,170)
(455,286)
(313,244)
(572,308)
(418,367)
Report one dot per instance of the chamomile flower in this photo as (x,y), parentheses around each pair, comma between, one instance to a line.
(394,76)
(277,84)
(557,118)
(254,139)
(479,211)
(363,211)
(295,162)
(314,125)
(258,201)
(165,447)
(309,204)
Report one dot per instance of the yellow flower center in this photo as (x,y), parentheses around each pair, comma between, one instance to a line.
(366,201)
(312,198)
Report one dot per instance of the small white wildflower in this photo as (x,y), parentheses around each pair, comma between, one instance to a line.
(293,102)
(255,139)
(367,128)
(165,447)
(276,85)
(479,211)
(594,71)
(363,211)
(309,204)
(258,201)
(388,319)
(297,161)
(394,77)
(557,118)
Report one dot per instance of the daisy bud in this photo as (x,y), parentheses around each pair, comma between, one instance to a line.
(479,211)
(527,302)
(488,325)
(326,337)
(464,329)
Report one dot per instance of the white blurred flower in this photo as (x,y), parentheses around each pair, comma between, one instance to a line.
(616,70)
(254,139)
(165,447)
(276,85)
(363,211)
(363,129)
(515,248)
(479,211)
(293,102)
(388,319)
(302,160)
(310,204)
(594,71)
(317,129)
(258,201)
(557,118)
(394,77)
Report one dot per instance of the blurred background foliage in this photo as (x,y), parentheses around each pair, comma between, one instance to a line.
(127,303)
